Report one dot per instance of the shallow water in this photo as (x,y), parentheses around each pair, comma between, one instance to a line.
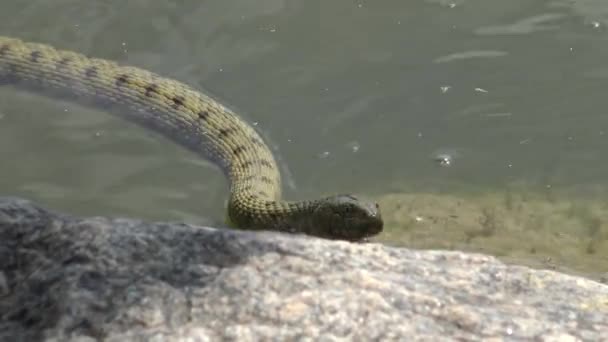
(355,96)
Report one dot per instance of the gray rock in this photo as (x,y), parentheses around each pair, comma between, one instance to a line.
(71,279)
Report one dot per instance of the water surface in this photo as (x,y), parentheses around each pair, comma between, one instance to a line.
(355,96)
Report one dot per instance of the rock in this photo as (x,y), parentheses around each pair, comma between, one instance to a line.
(81,279)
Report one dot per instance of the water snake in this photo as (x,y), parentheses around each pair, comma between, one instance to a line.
(197,122)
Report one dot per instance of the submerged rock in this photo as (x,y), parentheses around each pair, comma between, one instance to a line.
(67,278)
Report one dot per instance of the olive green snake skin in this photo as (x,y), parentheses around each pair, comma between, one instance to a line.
(197,122)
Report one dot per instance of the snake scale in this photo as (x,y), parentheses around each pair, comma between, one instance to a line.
(197,122)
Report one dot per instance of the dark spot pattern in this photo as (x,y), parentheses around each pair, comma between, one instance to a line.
(266,163)
(247,164)
(266,179)
(91,72)
(178,101)
(121,80)
(203,115)
(35,56)
(238,150)
(224,132)
(65,61)
(248,178)
(151,89)
(4,49)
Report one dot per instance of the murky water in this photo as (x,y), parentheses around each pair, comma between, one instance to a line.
(357,96)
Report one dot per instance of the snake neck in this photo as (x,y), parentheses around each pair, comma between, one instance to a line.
(249,210)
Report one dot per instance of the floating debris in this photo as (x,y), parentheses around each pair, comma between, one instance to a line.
(324,154)
(499,115)
(445,157)
(470,54)
(444,160)
(354,146)
(525,141)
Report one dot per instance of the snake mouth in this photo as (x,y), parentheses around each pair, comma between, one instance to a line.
(373,228)
(362,222)
(377,227)
(362,230)
(375,223)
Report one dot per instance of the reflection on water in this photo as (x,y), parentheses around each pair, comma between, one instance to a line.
(353,96)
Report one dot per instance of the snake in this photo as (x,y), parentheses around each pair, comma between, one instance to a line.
(197,122)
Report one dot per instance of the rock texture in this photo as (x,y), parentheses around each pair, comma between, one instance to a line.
(83,279)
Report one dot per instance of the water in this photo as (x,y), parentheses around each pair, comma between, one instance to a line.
(356,96)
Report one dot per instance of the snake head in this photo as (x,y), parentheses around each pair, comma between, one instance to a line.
(345,217)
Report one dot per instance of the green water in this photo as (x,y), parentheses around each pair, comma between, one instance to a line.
(355,96)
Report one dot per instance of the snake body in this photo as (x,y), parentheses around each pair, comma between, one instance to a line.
(195,121)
